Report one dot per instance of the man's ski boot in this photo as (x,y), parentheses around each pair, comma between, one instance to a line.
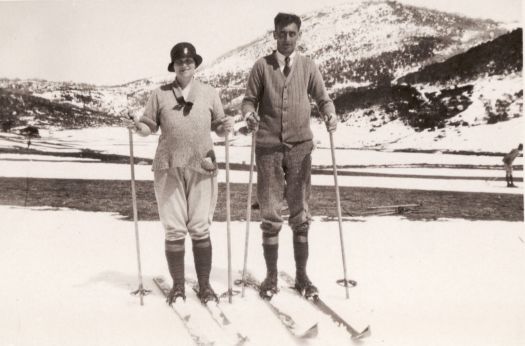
(305,287)
(177,291)
(269,286)
(207,294)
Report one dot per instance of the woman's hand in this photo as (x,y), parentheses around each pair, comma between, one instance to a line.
(225,126)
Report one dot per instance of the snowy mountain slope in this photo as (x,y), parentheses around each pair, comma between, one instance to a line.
(371,55)
(21,108)
(353,43)
(501,56)
(482,86)
(364,43)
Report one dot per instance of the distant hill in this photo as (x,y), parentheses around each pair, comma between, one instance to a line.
(19,109)
(500,56)
(428,98)
(384,64)
(362,44)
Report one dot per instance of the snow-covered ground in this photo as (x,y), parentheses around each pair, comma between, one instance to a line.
(87,170)
(114,140)
(495,138)
(67,277)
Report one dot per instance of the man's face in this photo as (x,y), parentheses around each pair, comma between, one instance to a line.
(184,67)
(287,37)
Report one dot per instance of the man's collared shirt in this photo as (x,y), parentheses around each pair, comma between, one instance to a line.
(281,61)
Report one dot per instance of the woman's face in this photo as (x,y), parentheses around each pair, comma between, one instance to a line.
(185,67)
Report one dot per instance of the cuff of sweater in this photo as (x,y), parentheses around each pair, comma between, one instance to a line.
(152,125)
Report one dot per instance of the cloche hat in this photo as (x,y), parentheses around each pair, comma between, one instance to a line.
(184,50)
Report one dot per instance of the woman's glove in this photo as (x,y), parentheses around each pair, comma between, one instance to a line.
(227,124)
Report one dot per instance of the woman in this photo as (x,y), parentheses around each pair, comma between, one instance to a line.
(185,170)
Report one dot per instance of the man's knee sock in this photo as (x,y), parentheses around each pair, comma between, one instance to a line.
(270,250)
(300,247)
(175,256)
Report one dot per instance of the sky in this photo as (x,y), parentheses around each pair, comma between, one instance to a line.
(112,42)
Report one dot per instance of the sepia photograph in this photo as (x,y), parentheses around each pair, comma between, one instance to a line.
(241,172)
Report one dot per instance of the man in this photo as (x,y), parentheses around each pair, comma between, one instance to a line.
(276,105)
(185,170)
(508,159)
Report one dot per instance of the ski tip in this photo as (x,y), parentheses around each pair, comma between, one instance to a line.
(159,280)
(241,339)
(365,333)
(311,332)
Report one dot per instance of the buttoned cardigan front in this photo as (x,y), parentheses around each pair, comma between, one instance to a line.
(282,102)
(185,125)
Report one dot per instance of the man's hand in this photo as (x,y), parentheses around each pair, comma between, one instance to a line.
(330,121)
(226,125)
(252,121)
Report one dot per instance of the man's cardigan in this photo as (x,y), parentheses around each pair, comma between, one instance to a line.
(282,102)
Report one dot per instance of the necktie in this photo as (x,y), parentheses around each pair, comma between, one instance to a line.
(286,70)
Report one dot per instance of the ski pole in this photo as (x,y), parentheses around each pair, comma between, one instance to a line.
(248,215)
(140,291)
(227,163)
(338,202)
